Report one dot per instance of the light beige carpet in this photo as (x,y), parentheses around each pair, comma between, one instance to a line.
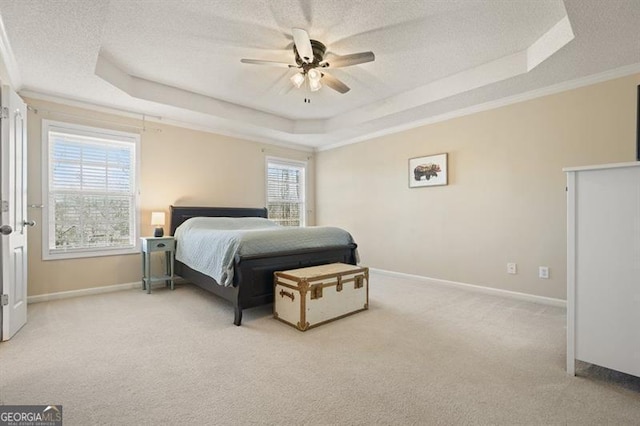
(422,354)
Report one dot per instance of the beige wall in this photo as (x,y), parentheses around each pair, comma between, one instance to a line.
(505,201)
(178,167)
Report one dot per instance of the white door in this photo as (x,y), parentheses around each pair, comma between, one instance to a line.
(14,223)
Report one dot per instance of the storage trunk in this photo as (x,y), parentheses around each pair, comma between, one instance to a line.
(312,296)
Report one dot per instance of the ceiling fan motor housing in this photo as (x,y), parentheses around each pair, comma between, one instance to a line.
(319,50)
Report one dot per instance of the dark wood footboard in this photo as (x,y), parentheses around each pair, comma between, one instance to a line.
(253,275)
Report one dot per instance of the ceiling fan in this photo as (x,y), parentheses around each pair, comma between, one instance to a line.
(311,65)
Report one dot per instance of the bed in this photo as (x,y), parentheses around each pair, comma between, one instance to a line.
(252,281)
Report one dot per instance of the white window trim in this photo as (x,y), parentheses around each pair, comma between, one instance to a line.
(50,125)
(287,162)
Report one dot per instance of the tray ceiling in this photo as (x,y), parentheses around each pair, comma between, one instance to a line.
(180,60)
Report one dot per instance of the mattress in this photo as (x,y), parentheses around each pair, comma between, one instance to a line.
(210,245)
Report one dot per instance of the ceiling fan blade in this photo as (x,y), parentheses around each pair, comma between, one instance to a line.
(303,44)
(348,60)
(334,83)
(269,63)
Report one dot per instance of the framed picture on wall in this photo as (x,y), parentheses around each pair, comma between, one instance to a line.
(428,171)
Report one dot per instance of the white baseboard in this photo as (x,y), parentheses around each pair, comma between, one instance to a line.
(82,292)
(94,290)
(481,289)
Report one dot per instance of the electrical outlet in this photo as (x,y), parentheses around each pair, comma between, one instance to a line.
(512,268)
(543,272)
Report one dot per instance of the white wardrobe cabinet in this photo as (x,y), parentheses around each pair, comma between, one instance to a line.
(603,266)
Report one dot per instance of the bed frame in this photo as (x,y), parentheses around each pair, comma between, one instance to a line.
(253,275)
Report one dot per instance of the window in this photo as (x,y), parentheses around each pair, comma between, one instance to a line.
(90,191)
(286,191)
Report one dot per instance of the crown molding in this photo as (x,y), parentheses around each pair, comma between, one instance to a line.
(533,94)
(139,115)
(522,97)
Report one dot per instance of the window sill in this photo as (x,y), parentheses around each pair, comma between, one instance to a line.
(64,255)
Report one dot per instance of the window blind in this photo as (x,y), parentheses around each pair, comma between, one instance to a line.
(286,192)
(91,192)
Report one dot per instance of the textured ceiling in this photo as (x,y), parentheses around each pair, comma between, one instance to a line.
(180,60)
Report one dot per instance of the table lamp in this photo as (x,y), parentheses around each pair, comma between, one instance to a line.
(157,220)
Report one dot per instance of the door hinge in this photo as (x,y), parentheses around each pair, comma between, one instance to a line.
(4,206)
(5,299)
(5,112)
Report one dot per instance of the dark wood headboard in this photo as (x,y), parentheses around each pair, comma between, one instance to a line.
(179,214)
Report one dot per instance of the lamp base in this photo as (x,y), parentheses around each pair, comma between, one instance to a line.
(159,232)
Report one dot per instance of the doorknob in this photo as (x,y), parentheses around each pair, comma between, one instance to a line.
(5,230)
(28,223)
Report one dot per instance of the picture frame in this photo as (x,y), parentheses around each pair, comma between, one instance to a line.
(430,170)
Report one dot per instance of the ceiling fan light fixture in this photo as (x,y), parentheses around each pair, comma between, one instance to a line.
(297,79)
(314,85)
(314,75)
(310,63)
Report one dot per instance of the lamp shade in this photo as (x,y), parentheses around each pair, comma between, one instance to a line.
(297,79)
(157,218)
(314,74)
(314,85)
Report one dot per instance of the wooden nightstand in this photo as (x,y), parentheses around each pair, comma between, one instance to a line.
(149,245)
